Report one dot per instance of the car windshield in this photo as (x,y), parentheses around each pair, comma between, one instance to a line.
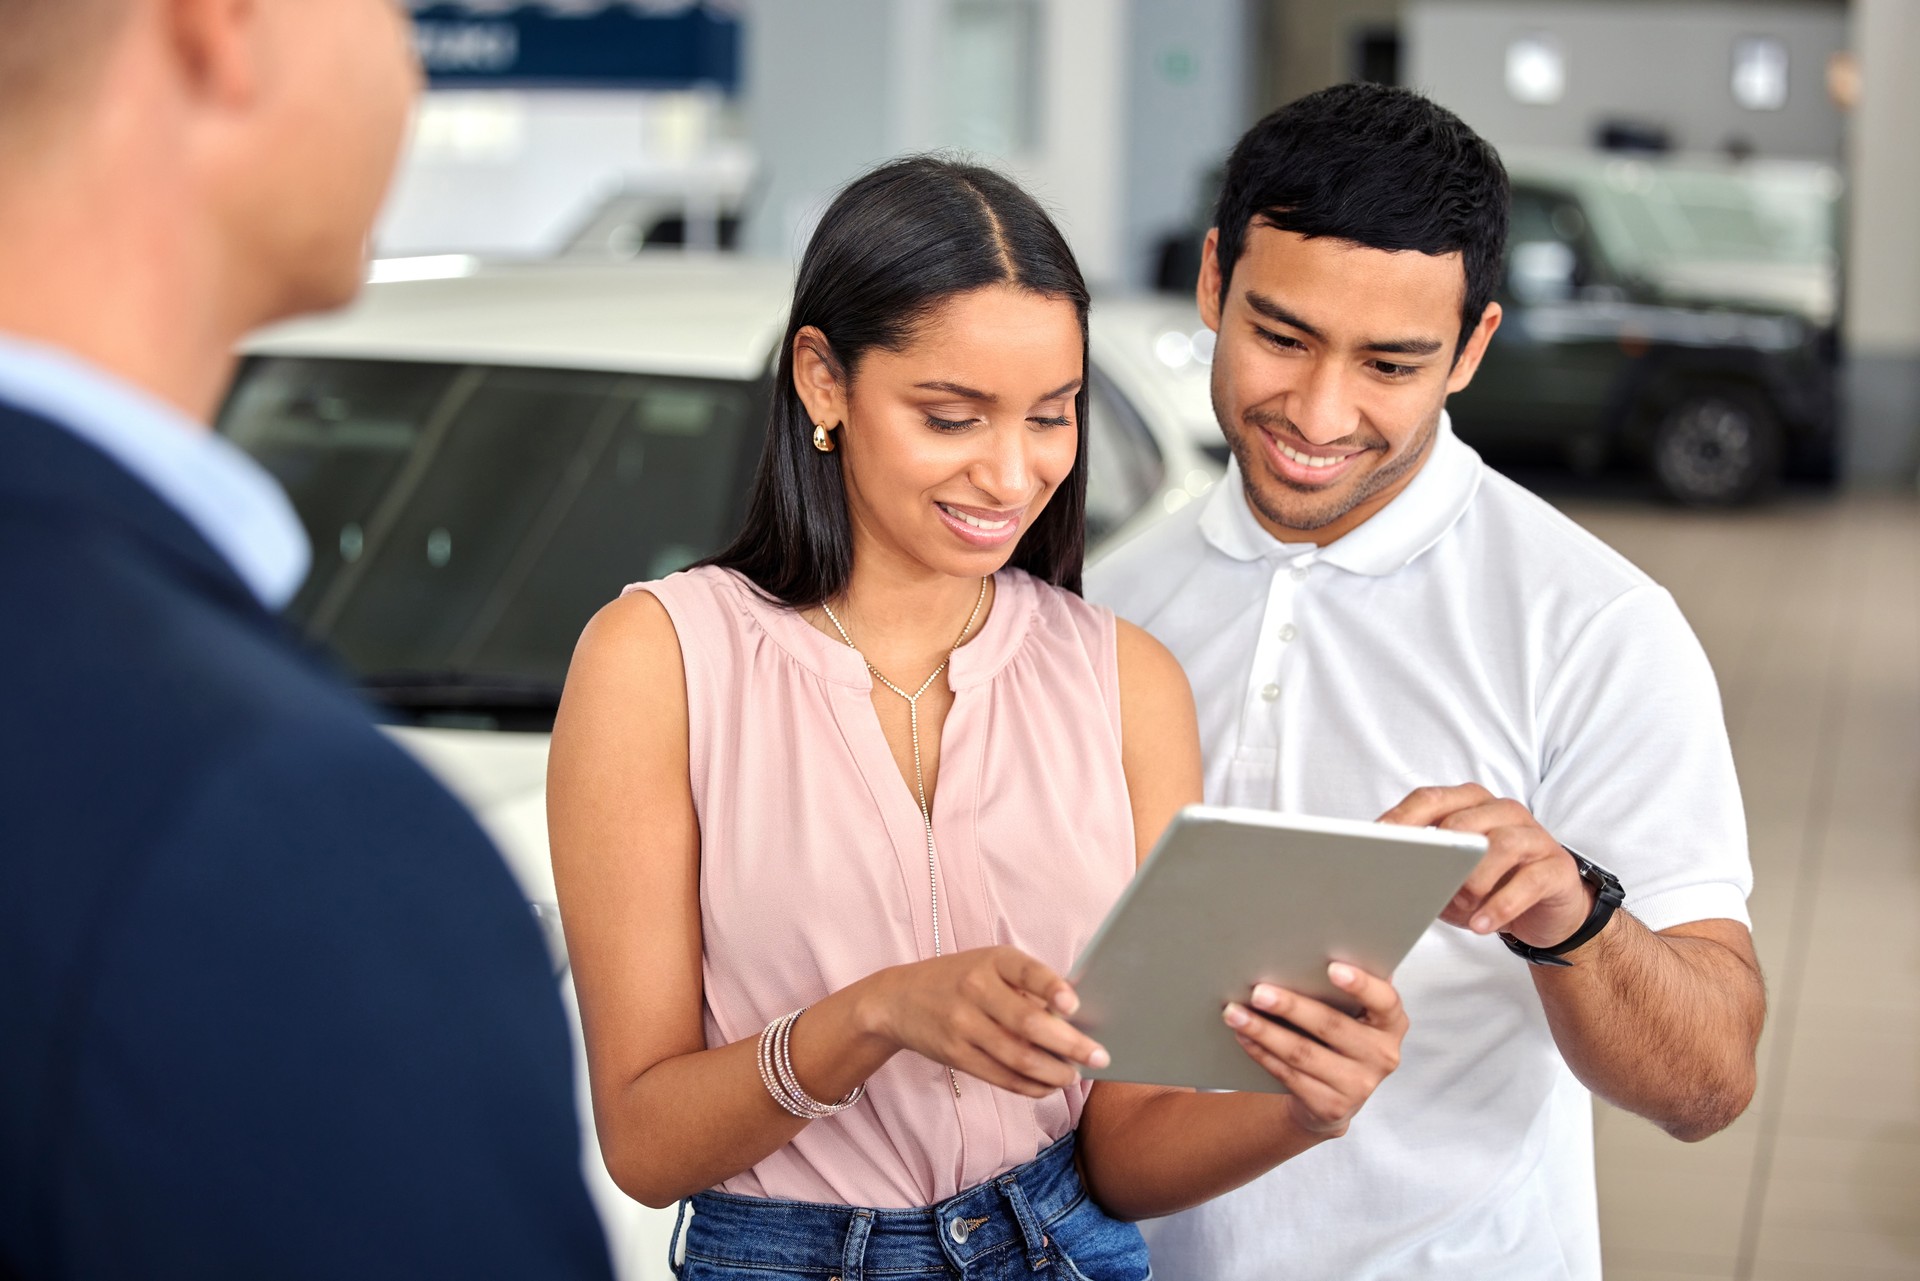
(1653,215)
(466,521)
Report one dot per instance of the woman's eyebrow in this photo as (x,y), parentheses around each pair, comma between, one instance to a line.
(988,398)
(965,393)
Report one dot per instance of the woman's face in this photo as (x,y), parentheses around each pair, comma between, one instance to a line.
(952,446)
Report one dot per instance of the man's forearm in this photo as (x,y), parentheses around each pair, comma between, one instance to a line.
(1663,1025)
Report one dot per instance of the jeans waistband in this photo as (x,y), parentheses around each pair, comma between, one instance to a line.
(1010,1211)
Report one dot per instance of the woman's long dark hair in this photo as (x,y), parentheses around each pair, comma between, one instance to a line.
(891,248)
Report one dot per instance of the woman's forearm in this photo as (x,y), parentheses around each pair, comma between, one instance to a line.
(691,1122)
(1147,1151)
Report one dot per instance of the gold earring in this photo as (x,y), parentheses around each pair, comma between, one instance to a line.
(822,438)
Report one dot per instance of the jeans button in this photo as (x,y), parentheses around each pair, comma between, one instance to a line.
(958,1231)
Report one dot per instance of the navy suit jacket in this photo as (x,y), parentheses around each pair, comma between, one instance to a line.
(270,1003)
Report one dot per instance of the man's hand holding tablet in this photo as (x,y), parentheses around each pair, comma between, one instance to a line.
(1343,1058)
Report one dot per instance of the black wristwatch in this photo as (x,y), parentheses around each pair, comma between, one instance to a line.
(1607,896)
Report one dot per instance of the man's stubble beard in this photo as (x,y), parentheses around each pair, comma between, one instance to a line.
(1254,472)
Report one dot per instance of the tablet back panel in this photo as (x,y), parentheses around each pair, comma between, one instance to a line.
(1233,897)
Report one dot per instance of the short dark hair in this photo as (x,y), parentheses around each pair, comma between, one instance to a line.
(892,247)
(1376,166)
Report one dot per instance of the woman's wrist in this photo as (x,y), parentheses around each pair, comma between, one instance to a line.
(870,1006)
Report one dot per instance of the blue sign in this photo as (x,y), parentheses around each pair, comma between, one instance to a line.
(639,44)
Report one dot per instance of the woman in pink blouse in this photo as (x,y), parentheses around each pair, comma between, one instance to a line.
(832,813)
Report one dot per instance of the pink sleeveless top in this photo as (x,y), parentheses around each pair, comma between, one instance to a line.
(813,863)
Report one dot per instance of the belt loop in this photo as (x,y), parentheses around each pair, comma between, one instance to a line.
(853,1257)
(1036,1241)
(673,1242)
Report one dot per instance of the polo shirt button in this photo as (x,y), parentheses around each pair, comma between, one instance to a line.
(1270,692)
(1289,634)
(1300,573)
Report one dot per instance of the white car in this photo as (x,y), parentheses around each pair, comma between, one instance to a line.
(484,457)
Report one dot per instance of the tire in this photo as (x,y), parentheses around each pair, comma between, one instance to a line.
(1716,448)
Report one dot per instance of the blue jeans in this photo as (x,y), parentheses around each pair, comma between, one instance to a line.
(1034,1220)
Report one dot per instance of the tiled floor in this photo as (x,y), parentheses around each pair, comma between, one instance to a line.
(1810,611)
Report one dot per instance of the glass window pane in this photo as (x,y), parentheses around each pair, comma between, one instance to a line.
(1124,467)
(474,493)
(664,489)
(470,520)
(335,433)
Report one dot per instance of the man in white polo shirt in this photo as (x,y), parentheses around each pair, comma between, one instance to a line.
(1376,624)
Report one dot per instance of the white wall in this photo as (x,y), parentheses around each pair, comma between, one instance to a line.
(1883,302)
(834,87)
(1662,63)
(515,172)
(1883,278)
(1190,71)
(1131,102)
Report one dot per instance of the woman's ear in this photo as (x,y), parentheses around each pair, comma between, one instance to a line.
(819,378)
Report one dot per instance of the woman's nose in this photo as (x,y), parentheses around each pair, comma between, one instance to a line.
(1005,471)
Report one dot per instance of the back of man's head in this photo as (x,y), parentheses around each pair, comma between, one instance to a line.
(1375,166)
(50,51)
(174,173)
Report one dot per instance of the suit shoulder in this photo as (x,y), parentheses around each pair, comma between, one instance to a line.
(153,693)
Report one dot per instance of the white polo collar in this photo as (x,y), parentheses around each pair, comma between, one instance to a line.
(1391,539)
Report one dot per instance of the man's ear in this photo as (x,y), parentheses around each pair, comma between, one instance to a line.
(1476,348)
(216,47)
(1207,292)
(819,378)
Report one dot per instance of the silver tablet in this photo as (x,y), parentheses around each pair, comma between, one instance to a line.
(1234,897)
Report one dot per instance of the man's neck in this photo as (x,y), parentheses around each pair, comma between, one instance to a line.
(132,291)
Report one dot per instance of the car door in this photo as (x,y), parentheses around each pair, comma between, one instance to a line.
(1549,374)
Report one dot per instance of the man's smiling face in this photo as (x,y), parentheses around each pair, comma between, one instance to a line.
(1330,372)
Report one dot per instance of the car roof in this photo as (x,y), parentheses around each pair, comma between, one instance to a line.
(687,314)
(691,315)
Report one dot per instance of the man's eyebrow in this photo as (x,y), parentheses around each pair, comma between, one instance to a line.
(1390,347)
(1406,347)
(1274,311)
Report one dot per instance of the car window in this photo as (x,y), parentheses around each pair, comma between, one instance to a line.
(1124,467)
(470,519)
(1546,246)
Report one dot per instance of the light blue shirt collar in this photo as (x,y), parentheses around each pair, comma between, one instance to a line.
(208,479)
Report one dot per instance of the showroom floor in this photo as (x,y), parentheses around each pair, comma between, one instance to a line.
(1810,611)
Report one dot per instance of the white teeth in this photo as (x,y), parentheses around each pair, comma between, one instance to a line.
(1303,459)
(989,526)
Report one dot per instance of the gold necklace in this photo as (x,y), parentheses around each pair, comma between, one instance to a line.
(913,722)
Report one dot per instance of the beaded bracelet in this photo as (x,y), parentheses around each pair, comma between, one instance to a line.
(777,1074)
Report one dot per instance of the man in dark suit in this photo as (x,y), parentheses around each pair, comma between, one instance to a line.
(270,1005)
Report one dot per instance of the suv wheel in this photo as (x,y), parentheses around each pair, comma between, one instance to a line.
(1716,448)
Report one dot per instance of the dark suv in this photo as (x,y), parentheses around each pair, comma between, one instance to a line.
(1678,317)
